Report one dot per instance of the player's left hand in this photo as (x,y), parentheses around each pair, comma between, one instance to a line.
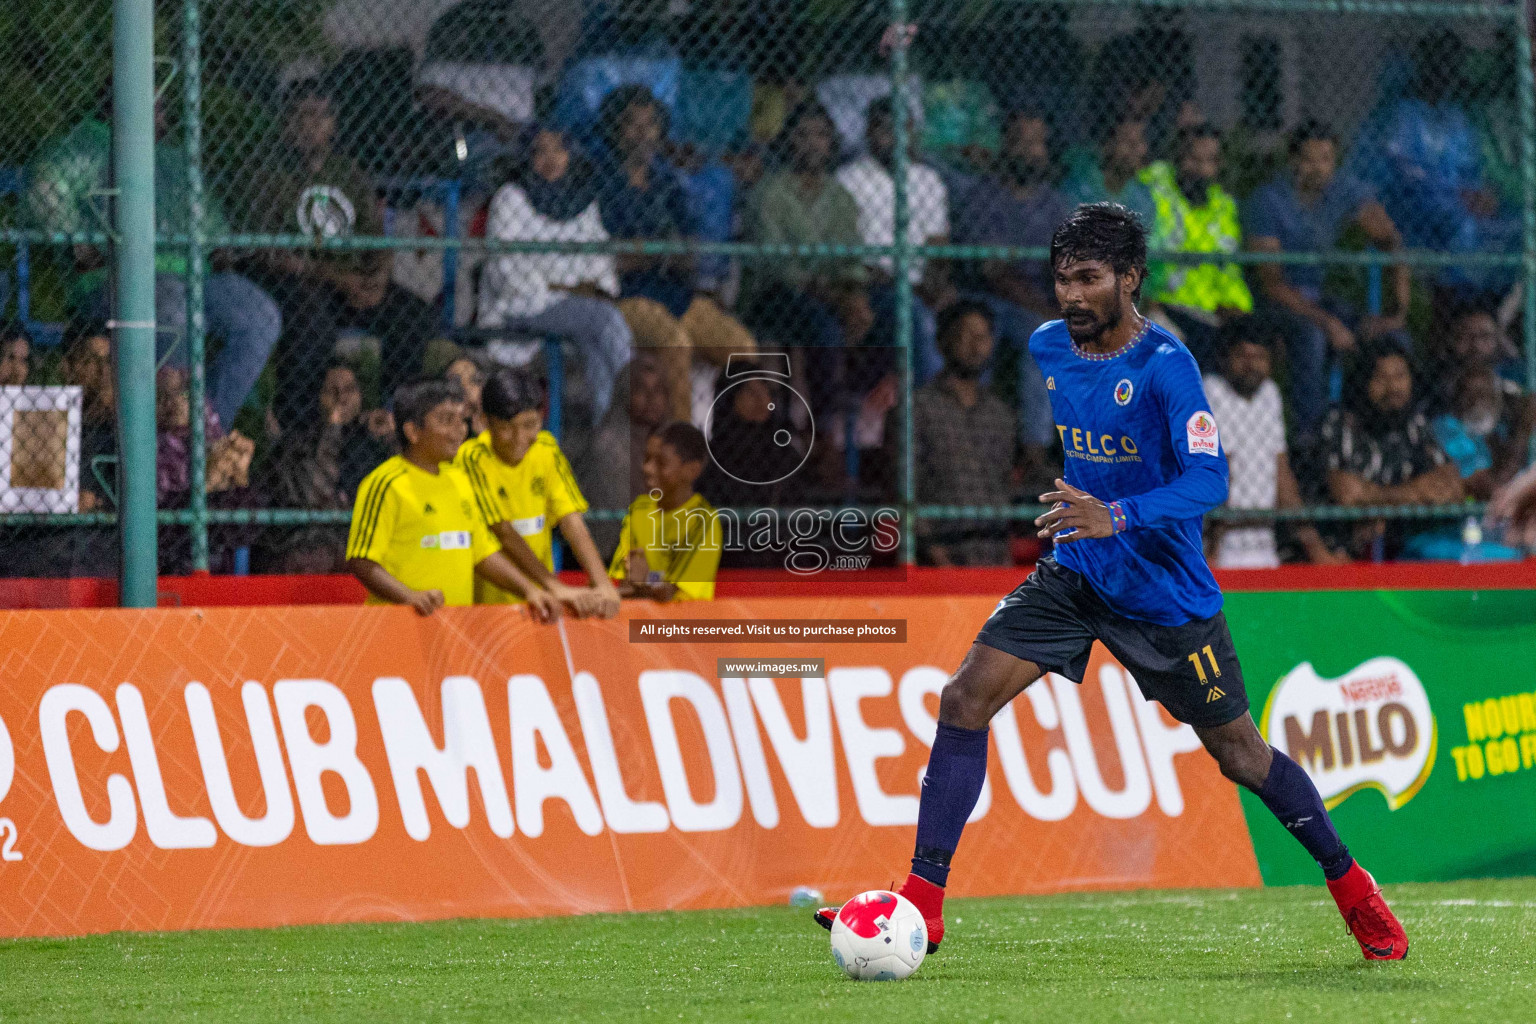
(543,606)
(1075,515)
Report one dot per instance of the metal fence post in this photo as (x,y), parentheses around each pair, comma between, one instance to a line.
(1527,94)
(902,261)
(192,106)
(133,315)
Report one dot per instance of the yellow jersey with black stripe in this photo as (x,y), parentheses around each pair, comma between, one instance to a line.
(533,496)
(423,528)
(682,547)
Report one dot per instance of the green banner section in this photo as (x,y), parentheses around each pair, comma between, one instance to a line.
(1415,714)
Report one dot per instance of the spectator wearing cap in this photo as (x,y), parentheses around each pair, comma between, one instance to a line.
(1306,208)
(1246,404)
(553,197)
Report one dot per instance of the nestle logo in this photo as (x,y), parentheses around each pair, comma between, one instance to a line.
(1362,691)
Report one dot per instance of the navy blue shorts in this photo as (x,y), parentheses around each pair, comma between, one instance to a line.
(1053,618)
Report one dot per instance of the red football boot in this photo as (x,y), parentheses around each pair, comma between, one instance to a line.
(1370,920)
(925,896)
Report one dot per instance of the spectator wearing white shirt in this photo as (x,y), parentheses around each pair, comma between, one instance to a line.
(868,179)
(1248,410)
(552,198)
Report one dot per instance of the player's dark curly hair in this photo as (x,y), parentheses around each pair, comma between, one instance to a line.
(1106,232)
(510,392)
(685,439)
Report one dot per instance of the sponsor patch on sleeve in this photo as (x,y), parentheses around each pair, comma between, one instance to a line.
(1201,433)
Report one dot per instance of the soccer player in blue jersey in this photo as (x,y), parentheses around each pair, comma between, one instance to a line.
(1143,465)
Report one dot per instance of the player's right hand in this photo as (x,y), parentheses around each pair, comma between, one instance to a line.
(543,606)
(425,601)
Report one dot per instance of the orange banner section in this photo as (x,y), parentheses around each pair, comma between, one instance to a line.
(251,767)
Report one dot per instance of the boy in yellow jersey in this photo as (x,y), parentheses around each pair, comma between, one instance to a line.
(417,536)
(669,547)
(525,488)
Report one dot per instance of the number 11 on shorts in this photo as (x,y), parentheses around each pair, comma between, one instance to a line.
(1194,659)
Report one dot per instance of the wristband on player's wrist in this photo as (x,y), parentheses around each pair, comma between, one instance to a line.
(1117,518)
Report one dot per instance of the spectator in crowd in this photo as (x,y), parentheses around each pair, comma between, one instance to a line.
(68,179)
(798,301)
(1476,339)
(87,364)
(367,302)
(410,502)
(868,179)
(15,355)
(1195,214)
(526,489)
(963,438)
(641,196)
(311,188)
(1486,431)
(1246,404)
(553,197)
(752,438)
(1113,174)
(319,465)
(1147,75)
(669,546)
(1306,209)
(612,473)
(1429,175)
(469,371)
(1381,450)
(308,187)
(228,455)
(1020,206)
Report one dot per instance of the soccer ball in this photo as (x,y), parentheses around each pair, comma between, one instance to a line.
(879,936)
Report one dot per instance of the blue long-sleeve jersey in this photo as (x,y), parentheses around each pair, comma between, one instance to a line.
(1137,431)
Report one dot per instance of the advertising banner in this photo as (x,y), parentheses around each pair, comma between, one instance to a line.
(251,767)
(1415,714)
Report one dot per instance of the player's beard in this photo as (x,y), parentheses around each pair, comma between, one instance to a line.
(1085,331)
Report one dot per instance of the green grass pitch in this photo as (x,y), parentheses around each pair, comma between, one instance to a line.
(1219,956)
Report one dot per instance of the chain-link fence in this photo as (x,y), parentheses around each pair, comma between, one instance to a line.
(816,230)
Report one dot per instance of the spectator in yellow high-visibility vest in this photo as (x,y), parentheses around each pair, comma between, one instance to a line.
(1195,214)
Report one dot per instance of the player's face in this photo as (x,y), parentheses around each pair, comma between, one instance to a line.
(512,438)
(881,137)
(1248,366)
(1092,298)
(341,399)
(440,432)
(1315,163)
(14,356)
(1391,385)
(648,398)
(665,470)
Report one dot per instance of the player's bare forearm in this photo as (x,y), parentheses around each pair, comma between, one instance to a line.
(498,569)
(574,528)
(378,582)
(521,555)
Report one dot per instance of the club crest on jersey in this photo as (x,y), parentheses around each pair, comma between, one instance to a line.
(1050,383)
(1200,431)
(1123,391)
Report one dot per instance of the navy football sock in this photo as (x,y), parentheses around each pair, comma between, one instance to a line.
(1289,794)
(957,766)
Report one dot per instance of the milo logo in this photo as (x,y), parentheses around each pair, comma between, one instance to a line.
(1371,727)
